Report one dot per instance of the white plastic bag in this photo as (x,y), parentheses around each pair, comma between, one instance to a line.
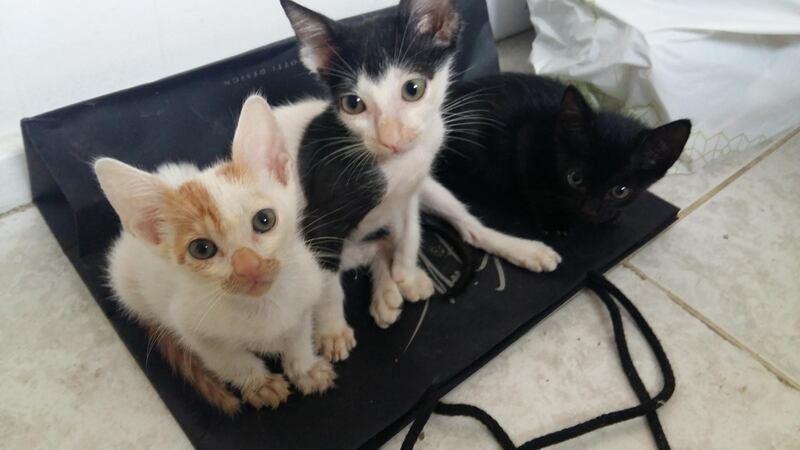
(733,67)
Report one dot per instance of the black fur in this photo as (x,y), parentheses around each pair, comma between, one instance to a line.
(339,193)
(343,187)
(514,139)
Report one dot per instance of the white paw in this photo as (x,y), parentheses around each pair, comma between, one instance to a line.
(534,256)
(335,346)
(418,286)
(319,378)
(272,390)
(387,303)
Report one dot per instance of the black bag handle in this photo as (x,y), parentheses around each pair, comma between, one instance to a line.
(647,407)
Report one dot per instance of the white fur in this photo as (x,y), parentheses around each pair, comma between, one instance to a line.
(226,330)
(409,187)
(383,100)
(404,173)
(532,255)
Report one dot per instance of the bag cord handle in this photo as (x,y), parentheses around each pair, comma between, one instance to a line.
(647,407)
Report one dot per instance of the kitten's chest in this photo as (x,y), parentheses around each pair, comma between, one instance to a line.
(404,177)
(259,323)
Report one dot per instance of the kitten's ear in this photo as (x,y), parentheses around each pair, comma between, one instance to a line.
(314,35)
(258,142)
(136,196)
(662,147)
(437,17)
(575,119)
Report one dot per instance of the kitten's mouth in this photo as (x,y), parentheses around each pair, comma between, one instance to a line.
(255,284)
(383,151)
(598,219)
(257,288)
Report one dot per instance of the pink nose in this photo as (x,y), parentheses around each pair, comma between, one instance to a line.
(246,264)
(391,133)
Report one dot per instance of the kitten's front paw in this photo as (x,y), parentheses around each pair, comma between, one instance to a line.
(387,303)
(271,391)
(335,346)
(318,379)
(535,256)
(418,286)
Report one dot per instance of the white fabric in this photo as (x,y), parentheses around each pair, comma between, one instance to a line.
(732,66)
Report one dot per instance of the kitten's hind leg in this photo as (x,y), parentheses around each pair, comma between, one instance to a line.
(244,370)
(194,371)
(307,371)
(333,338)
(532,255)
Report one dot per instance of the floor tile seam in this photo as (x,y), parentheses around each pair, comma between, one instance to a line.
(736,175)
(720,331)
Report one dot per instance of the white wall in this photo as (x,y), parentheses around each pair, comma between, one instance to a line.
(56,52)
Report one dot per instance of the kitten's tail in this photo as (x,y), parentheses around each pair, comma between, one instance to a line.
(192,369)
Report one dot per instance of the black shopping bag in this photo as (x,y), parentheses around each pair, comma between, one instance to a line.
(191,117)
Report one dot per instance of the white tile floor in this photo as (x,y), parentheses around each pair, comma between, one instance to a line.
(720,287)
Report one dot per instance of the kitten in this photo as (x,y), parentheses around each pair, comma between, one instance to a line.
(365,160)
(535,144)
(213,258)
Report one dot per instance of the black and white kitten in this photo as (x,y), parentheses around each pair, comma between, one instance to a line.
(535,144)
(365,159)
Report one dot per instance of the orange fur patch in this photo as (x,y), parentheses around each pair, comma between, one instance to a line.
(233,172)
(192,369)
(193,213)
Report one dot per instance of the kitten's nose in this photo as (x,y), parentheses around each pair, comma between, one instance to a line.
(393,135)
(246,264)
(389,133)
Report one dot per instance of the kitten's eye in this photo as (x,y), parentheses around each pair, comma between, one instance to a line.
(575,178)
(264,220)
(620,192)
(413,90)
(202,249)
(352,104)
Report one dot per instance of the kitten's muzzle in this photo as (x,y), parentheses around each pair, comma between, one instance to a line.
(598,217)
(393,135)
(595,212)
(253,274)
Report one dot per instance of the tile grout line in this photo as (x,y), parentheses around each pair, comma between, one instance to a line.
(16,209)
(782,376)
(627,263)
(716,189)
(734,176)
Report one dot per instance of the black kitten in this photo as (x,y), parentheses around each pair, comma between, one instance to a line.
(532,143)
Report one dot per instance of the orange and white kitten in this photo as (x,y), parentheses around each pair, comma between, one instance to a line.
(214,259)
